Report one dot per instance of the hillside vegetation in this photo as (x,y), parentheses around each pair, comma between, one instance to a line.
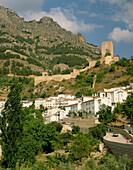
(104,76)
(30,48)
(38,46)
(28,143)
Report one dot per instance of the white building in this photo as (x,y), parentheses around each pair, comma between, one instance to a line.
(112,96)
(88,104)
(66,96)
(2,104)
(60,100)
(91,104)
(26,103)
(40,101)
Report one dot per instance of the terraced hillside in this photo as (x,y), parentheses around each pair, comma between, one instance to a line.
(86,83)
(29,48)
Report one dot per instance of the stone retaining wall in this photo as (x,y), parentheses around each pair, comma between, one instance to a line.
(119,149)
(81,122)
(123,132)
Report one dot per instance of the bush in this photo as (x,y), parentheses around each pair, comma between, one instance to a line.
(25,98)
(71,61)
(107,54)
(112,68)
(98,131)
(80,148)
(97,64)
(75,129)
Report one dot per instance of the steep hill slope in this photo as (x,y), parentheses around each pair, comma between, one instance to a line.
(39,46)
(104,76)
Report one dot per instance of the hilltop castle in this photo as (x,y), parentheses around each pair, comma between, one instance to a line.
(107,53)
(107,58)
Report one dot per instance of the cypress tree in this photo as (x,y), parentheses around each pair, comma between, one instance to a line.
(11,125)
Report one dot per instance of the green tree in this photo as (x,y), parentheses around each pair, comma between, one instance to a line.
(129,70)
(80,148)
(109,161)
(97,64)
(89,80)
(11,124)
(28,149)
(84,91)
(70,113)
(75,129)
(98,132)
(78,94)
(37,137)
(74,114)
(128,106)
(105,114)
(57,125)
(119,108)
(44,95)
(112,68)
(91,164)
(79,113)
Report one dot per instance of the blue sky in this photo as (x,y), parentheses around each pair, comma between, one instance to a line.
(97,20)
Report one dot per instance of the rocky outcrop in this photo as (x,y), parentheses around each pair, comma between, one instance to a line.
(61,67)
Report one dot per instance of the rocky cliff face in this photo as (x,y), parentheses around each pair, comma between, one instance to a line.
(43,40)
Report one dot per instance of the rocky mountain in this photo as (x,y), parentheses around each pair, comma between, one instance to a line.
(36,46)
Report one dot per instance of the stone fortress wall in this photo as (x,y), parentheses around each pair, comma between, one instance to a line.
(60,77)
(107,47)
(57,77)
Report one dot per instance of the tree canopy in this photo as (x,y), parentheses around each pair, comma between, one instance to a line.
(128,106)
(105,114)
(11,123)
(81,147)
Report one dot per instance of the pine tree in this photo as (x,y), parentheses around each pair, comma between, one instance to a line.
(11,125)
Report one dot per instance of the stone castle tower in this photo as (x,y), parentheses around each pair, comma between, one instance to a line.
(107,53)
(107,47)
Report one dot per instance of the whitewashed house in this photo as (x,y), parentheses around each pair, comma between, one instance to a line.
(40,101)
(91,106)
(112,96)
(2,104)
(86,98)
(51,103)
(73,107)
(66,96)
(26,103)
(51,118)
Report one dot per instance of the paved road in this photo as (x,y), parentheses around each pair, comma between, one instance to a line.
(120,138)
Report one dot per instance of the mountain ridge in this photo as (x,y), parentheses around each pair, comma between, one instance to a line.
(42,43)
